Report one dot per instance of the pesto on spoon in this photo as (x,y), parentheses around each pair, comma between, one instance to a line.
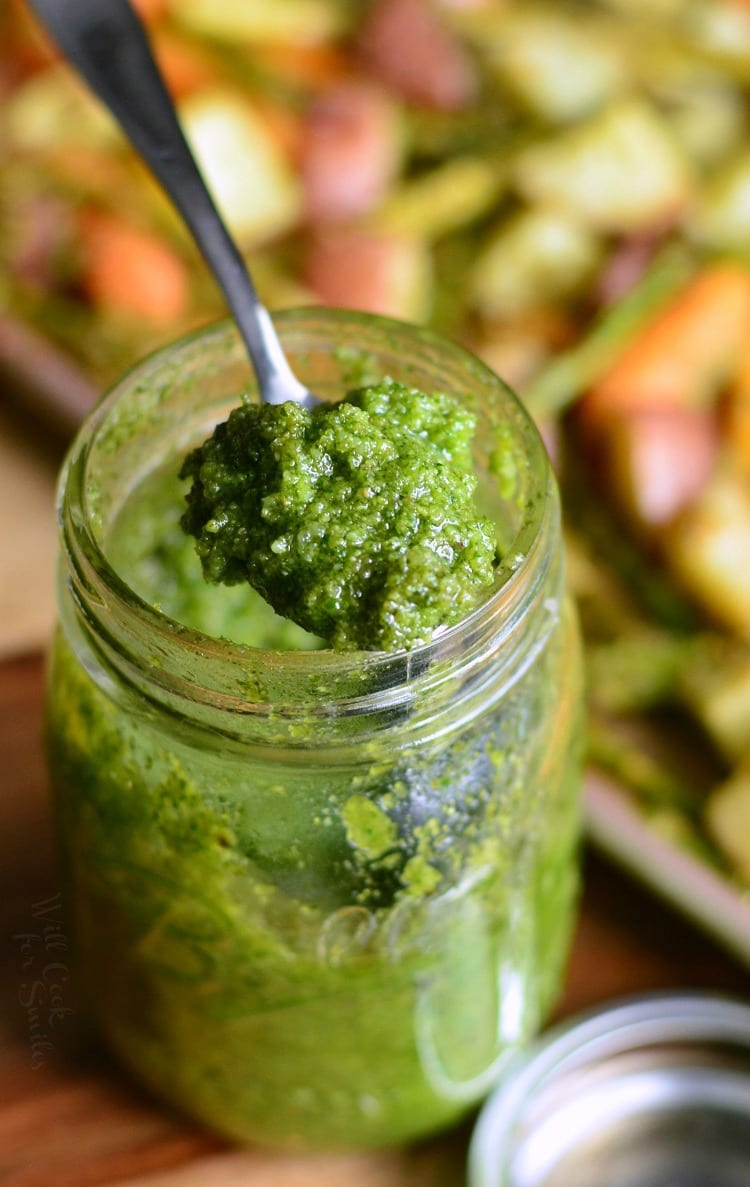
(355,520)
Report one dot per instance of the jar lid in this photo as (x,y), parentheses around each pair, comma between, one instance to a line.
(653,1092)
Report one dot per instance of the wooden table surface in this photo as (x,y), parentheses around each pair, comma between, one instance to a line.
(68,1118)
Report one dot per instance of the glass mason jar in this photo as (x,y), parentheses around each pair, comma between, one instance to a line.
(317,897)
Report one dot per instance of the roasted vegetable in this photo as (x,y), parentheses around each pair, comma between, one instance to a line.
(619,171)
(253,185)
(534,258)
(708,549)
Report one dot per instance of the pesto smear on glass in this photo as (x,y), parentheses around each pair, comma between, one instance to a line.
(356,520)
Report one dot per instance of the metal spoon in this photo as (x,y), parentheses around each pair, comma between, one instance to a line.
(105,41)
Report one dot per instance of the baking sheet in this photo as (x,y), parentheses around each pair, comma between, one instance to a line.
(616,826)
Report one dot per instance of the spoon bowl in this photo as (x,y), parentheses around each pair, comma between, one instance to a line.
(107,44)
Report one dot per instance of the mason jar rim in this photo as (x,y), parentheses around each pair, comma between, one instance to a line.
(590,1040)
(98,583)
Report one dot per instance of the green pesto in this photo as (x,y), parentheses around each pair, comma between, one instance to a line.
(319,955)
(356,520)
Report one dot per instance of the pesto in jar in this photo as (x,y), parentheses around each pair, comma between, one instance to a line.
(355,520)
(317,897)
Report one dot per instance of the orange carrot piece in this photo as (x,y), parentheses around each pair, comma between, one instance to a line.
(684,355)
(27,47)
(185,69)
(311,66)
(130,271)
(150,10)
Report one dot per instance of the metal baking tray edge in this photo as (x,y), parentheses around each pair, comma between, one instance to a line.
(615,826)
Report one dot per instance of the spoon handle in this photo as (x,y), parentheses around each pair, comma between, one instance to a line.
(106,42)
